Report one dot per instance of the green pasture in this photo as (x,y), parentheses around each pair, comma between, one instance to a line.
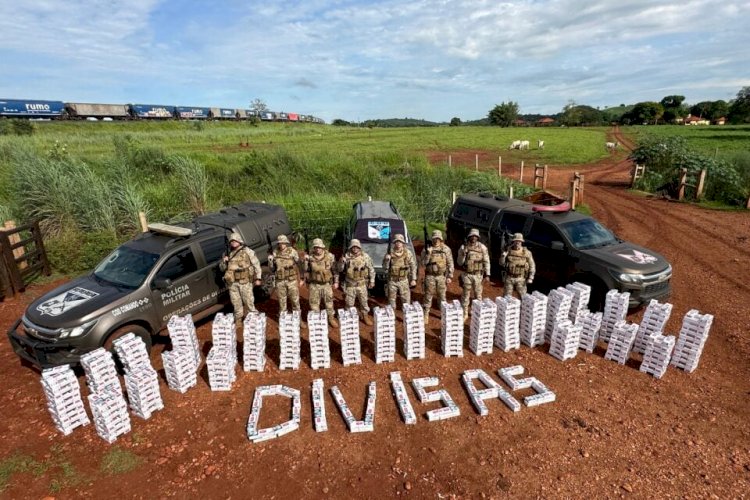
(722,141)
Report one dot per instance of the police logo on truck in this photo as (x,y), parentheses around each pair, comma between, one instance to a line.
(67,300)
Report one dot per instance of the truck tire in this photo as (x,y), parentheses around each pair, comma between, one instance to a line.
(136,330)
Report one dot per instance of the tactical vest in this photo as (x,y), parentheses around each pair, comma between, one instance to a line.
(516,263)
(320,270)
(399,266)
(285,266)
(474,260)
(356,269)
(239,269)
(438,263)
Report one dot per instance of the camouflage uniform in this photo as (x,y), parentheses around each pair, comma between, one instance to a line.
(240,271)
(285,266)
(518,268)
(320,274)
(360,274)
(401,268)
(438,266)
(476,261)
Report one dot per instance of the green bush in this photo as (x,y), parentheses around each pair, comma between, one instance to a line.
(16,127)
(74,252)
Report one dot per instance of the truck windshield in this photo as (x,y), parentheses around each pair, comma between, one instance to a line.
(126,267)
(588,233)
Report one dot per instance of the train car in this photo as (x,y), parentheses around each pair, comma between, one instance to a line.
(224,113)
(293,117)
(18,108)
(100,111)
(282,117)
(151,111)
(247,114)
(267,116)
(192,113)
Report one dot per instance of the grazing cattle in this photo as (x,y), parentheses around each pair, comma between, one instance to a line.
(524,145)
(540,144)
(611,146)
(515,145)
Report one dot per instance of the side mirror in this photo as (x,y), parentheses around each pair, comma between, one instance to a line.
(557,245)
(162,283)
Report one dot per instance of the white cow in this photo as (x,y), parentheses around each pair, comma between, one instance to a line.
(611,146)
(524,145)
(515,145)
(540,144)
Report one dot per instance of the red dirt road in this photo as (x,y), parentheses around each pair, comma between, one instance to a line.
(613,430)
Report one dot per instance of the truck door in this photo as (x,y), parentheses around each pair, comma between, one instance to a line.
(178,284)
(213,249)
(547,245)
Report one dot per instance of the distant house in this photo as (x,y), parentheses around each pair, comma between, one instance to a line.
(545,122)
(519,123)
(696,120)
(720,121)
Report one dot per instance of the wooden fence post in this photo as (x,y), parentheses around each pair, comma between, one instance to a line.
(701,184)
(499,166)
(510,193)
(14,238)
(520,178)
(450,161)
(476,162)
(573,190)
(683,181)
(143,221)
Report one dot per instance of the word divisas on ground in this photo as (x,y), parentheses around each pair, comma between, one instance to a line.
(449,409)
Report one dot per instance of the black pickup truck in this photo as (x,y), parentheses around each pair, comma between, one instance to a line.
(142,283)
(567,246)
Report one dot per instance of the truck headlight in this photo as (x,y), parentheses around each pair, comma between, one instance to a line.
(635,279)
(76,331)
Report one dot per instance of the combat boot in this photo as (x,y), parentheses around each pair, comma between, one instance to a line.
(238,324)
(332,321)
(466,314)
(426,317)
(365,318)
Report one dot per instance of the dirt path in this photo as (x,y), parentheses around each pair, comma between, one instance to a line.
(612,430)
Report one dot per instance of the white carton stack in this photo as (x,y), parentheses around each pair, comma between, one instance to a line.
(64,398)
(319,406)
(565,340)
(692,339)
(580,303)
(652,325)
(508,324)
(615,309)
(482,328)
(590,324)
(452,329)
(289,338)
(543,394)
(184,337)
(354,425)
(222,358)
(254,342)
(558,308)
(258,435)
(533,318)
(493,391)
(449,410)
(180,371)
(414,345)
(141,380)
(402,398)
(320,347)
(101,372)
(621,342)
(351,350)
(110,415)
(385,335)
(657,355)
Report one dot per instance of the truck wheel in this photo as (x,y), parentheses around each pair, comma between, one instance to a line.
(598,293)
(136,330)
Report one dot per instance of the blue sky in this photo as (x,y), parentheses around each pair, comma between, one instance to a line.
(432,59)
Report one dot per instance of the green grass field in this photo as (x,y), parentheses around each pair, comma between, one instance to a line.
(724,141)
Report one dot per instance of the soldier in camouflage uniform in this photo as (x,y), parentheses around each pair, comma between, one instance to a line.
(476,261)
(241,271)
(437,260)
(322,278)
(401,269)
(359,276)
(284,262)
(518,267)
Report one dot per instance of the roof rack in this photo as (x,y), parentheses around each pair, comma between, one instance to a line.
(169,230)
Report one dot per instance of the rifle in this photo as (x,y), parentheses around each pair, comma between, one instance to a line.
(427,241)
(270,248)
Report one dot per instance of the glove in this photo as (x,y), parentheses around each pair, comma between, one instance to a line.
(530,280)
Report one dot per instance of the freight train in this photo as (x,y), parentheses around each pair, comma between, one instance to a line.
(58,110)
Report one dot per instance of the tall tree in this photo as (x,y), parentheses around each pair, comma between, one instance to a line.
(673,107)
(455,121)
(258,105)
(739,109)
(644,113)
(718,109)
(504,114)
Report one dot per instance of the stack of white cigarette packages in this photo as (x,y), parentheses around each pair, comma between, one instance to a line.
(508,324)
(385,334)
(320,348)
(107,403)
(692,339)
(657,355)
(222,358)
(289,338)
(482,327)
(533,318)
(590,324)
(319,406)
(580,303)
(449,410)
(615,309)
(559,301)
(64,398)
(141,380)
(254,342)
(493,391)
(354,425)
(621,342)
(351,350)
(258,435)
(652,325)
(414,346)
(565,340)
(101,371)
(402,398)
(452,328)
(543,394)
(182,362)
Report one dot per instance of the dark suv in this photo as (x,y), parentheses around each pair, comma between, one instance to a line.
(142,283)
(567,246)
